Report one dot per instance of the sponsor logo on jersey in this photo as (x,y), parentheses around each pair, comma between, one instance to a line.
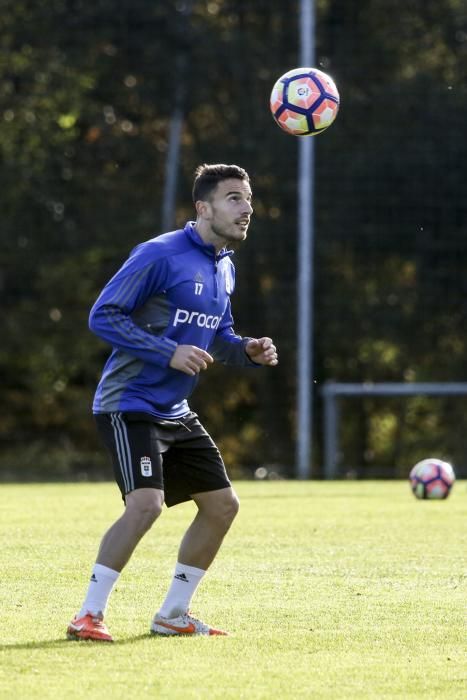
(196,318)
(146,466)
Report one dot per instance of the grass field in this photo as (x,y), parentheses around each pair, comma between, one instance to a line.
(331,590)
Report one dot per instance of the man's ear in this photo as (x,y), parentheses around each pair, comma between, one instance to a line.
(203,209)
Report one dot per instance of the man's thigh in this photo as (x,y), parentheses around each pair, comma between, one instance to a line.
(193,464)
(135,451)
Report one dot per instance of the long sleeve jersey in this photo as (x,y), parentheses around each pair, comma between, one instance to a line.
(173,289)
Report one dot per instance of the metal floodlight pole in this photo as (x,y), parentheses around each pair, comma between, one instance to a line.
(305,265)
(176,123)
(171,169)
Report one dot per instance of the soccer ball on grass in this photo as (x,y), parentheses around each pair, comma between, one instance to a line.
(432,478)
(304,101)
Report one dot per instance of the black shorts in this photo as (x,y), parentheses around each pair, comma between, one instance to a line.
(177,456)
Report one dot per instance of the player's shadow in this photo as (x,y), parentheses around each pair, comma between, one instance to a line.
(54,643)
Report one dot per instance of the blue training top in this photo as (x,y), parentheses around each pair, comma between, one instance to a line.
(173,289)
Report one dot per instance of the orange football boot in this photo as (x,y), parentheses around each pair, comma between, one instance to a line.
(89,626)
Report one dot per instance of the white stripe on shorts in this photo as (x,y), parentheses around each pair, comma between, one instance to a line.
(123,451)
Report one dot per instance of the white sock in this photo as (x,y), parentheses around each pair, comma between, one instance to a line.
(100,587)
(182,589)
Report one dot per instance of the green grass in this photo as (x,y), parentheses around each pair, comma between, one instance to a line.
(332,590)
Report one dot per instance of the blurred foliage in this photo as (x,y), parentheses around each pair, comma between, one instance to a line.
(87,91)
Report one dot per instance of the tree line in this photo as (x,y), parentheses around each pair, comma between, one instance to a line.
(88,92)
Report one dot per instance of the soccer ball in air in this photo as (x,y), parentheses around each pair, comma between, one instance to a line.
(432,478)
(304,101)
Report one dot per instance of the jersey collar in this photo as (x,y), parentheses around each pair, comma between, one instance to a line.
(207,248)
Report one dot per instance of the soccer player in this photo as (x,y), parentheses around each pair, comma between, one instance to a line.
(166,313)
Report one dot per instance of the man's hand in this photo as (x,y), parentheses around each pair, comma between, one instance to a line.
(262,351)
(190,359)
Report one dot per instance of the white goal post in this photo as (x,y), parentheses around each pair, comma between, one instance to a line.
(332,391)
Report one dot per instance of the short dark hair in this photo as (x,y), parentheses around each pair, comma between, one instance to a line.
(207,177)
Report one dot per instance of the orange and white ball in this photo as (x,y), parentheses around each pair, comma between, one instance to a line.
(304,101)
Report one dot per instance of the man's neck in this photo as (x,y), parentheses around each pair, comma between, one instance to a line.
(208,236)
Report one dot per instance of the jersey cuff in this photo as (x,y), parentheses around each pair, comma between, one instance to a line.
(170,347)
(245,341)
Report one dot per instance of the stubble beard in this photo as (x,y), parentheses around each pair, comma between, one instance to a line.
(228,237)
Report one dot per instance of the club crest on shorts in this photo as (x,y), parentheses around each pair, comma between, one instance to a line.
(146,466)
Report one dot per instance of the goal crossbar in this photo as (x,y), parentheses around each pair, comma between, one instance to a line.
(331,392)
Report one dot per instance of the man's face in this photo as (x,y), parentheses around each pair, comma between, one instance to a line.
(229,209)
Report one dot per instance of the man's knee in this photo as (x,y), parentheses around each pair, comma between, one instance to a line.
(221,507)
(144,506)
(232,507)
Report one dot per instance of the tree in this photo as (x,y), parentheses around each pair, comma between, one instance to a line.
(87,96)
